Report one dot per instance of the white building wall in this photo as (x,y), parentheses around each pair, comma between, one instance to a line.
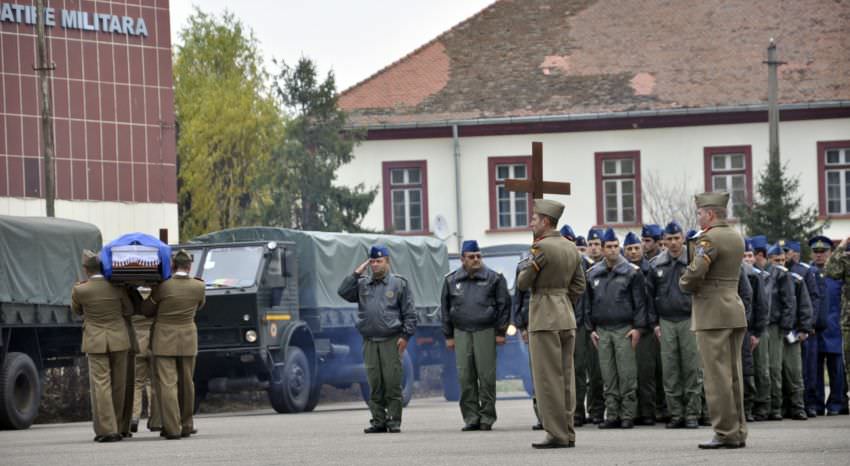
(674,154)
(113,218)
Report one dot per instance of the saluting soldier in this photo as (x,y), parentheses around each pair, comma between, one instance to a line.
(106,342)
(718,319)
(617,315)
(475,312)
(386,319)
(174,344)
(554,275)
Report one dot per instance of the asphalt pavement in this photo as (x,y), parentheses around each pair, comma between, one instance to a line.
(430,436)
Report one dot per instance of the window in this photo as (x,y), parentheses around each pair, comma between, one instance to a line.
(406,197)
(508,209)
(618,188)
(834,178)
(730,169)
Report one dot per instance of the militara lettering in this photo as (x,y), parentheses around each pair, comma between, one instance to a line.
(74,19)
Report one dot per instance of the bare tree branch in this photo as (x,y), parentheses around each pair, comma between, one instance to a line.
(665,200)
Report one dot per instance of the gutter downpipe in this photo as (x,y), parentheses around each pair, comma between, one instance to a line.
(456,141)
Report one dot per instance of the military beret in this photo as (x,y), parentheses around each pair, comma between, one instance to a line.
(609,235)
(549,207)
(775,250)
(90,260)
(691,234)
(379,251)
(672,228)
(182,257)
(567,232)
(792,245)
(594,233)
(715,199)
(759,243)
(820,242)
(469,245)
(748,245)
(631,239)
(651,230)
(580,241)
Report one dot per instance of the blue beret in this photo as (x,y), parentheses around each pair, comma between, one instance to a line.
(820,242)
(580,241)
(672,228)
(567,232)
(651,230)
(792,245)
(631,239)
(594,233)
(379,251)
(759,242)
(469,245)
(775,250)
(748,245)
(609,235)
(691,234)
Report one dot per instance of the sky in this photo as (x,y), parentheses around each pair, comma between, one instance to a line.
(354,38)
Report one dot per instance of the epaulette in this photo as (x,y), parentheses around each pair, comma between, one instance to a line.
(805,265)
(450,272)
(636,267)
(797,276)
(589,261)
(780,267)
(81,282)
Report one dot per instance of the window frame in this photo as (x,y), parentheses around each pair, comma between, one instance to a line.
(822,147)
(387,187)
(747,171)
(492,162)
(600,158)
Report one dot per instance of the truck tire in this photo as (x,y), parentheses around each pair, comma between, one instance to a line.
(292,394)
(20,391)
(315,394)
(408,376)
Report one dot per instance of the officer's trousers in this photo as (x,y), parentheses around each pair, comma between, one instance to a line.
(144,382)
(646,355)
(176,391)
(384,374)
(681,367)
(475,355)
(776,346)
(588,377)
(554,381)
(720,352)
(792,378)
(108,383)
(761,371)
(619,372)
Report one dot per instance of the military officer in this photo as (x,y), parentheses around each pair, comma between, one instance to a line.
(594,244)
(174,345)
(581,244)
(670,312)
(387,321)
(106,342)
(555,277)
(828,333)
(757,319)
(648,347)
(143,381)
(475,312)
(590,358)
(718,319)
(617,313)
(651,236)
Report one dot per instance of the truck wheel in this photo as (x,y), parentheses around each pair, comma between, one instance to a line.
(292,394)
(406,382)
(315,394)
(20,392)
(451,387)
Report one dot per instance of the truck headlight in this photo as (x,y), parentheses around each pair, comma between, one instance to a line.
(250,336)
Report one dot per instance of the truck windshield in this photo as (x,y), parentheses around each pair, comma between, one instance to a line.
(196,261)
(231,267)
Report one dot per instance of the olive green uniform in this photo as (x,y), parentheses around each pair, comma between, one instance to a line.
(838,268)
(174,344)
(106,342)
(720,323)
(143,374)
(556,279)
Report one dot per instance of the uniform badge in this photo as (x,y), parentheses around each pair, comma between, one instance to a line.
(458,285)
(660,273)
(595,283)
(390,294)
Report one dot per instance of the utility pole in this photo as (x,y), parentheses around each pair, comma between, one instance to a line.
(772,106)
(46,112)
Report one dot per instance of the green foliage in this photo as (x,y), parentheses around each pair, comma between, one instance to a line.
(228,124)
(303,194)
(779,213)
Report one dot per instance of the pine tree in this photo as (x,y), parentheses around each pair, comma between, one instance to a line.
(778,213)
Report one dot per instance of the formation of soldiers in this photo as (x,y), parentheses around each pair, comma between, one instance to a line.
(154,337)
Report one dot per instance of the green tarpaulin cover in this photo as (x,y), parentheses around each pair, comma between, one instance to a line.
(40,258)
(324,259)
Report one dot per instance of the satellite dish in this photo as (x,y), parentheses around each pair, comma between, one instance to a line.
(441,227)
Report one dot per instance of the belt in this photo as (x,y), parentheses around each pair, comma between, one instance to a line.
(548,290)
(715,283)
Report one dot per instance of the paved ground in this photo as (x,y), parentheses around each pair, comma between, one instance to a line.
(332,435)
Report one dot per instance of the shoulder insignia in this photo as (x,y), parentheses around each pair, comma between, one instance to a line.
(805,265)
(704,243)
(780,267)
(588,260)
(450,272)
(636,267)
(797,276)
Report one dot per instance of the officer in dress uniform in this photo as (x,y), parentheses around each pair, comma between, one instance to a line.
(475,312)
(386,321)
(174,344)
(105,309)
(617,315)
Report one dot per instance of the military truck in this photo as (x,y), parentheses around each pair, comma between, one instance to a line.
(273,320)
(39,264)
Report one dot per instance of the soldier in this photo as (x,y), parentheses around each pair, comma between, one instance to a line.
(590,357)
(594,244)
(386,320)
(143,381)
(106,342)
(670,313)
(617,304)
(809,345)
(581,245)
(648,348)
(554,275)
(718,319)
(757,319)
(174,344)
(651,236)
(476,309)
(828,333)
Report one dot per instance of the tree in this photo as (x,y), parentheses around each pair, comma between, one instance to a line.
(664,202)
(228,123)
(303,194)
(779,213)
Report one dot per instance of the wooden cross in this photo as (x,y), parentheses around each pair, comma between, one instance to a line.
(535,184)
